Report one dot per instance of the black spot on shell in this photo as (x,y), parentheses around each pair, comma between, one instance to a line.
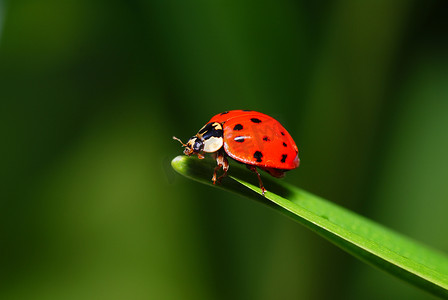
(239,139)
(258,155)
(238,127)
(266,139)
(284,144)
(223,113)
(282,133)
(255,120)
(283,158)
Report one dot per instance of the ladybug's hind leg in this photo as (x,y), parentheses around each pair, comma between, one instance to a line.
(254,169)
(221,162)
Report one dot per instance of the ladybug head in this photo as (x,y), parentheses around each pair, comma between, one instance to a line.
(208,139)
(193,146)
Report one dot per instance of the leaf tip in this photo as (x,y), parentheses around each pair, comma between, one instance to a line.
(178,162)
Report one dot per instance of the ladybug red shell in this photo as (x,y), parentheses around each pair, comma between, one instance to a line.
(249,137)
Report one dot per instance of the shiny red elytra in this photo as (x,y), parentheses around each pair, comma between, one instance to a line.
(247,136)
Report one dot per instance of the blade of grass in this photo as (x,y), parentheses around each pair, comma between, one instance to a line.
(359,236)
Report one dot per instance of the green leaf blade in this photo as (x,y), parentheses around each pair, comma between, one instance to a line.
(359,236)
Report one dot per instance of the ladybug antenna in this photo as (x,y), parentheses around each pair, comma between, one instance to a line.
(175,138)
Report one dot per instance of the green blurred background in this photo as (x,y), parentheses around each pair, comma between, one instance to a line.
(92,91)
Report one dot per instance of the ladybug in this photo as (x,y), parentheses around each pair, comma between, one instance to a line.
(249,137)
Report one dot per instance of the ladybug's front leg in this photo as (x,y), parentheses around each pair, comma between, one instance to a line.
(254,169)
(221,161)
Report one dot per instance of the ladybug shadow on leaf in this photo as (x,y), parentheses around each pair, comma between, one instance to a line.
(240,171)
(202,170)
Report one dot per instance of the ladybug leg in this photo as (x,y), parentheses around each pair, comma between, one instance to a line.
(254,169)
(221,163)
